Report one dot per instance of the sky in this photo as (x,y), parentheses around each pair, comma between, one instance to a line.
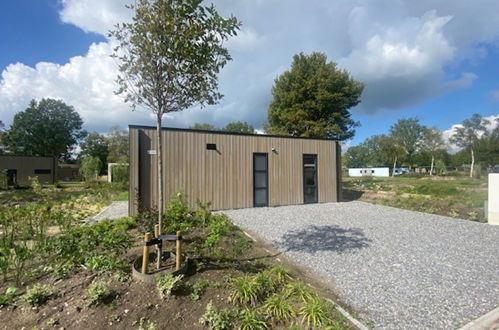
(436,60)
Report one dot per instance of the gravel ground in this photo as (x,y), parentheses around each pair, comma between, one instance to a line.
(115,210)
(401,269)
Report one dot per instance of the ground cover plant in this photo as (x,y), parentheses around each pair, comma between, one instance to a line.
(454,196)
(80,276)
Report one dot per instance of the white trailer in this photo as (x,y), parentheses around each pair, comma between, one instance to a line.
(369,171)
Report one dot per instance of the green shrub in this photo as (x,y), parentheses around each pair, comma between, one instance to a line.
(168,284)
(198,289)
(97,292)
(216,319)
(37,294)
(120,173)
(251,320)
(220,226)
(8,297)
(277,308)
(178,216)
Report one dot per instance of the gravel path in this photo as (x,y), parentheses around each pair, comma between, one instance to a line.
(406,270)
(115,210)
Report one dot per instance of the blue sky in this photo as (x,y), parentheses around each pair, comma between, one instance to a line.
(434,61)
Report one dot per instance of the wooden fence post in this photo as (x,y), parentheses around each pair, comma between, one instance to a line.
(145,257)
(158,247)
(178,253)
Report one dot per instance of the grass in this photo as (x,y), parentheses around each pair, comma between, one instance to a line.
(458,197)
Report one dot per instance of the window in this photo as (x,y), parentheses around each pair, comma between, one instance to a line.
(260,179)
(41,171)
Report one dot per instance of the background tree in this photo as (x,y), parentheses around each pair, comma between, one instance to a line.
(407,133)
(467,135)
(46,128)
(117,141)
(313,100)
(95,145)
(204,127)
(357,156)
(239,127)
(432,142)
(90,167)
(487,148)
(169,57)
(2,133)
(390,150)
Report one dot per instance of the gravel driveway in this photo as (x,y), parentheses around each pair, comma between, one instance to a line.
(405,269)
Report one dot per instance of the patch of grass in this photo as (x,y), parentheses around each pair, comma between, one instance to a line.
(8,297)
(168,284)
(37,295)
(97,292)
(245,292)
(300,291)
(122,196)
(198,288)
(315,313)
(251,320)
(277,308)
(217,319)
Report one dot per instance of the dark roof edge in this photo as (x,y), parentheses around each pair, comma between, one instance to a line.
(227,133)
(7,155)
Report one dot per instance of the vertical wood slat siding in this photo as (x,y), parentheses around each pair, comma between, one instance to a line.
(225,176)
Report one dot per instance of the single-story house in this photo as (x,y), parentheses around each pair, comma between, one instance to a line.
(19,169)
(233,170)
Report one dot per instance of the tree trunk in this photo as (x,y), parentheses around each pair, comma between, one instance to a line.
(394,166)
(159,155)
(432,162)
(472,162)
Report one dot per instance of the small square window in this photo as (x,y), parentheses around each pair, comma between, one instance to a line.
(211,146)
(42,171)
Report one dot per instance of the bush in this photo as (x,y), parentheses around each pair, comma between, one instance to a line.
(178,216)
(277,308)
(37,294)
(120,173)
(220,226)
(251,320)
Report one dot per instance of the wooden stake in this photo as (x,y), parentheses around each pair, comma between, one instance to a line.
(145,257)
(158,247)
(178,253)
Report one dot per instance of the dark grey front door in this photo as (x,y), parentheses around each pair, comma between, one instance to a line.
(310,179)
(260,179)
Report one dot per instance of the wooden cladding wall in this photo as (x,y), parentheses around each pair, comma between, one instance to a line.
(225,176)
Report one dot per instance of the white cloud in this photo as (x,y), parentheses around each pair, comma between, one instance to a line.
(402,50)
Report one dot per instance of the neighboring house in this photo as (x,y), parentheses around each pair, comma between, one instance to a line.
(369,171)
(19,169)
(68,172)
(233,170)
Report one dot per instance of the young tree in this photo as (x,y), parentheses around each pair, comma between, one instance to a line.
(313,100)
(390,149)
(46,128)
(407,134)
(117,141)
(467,135)
(239,127)
(432,142)
(95,145)
(2,134)
(169,57)
(90,167)
(204,127)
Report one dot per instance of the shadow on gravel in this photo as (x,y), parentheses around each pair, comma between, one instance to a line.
(325,238)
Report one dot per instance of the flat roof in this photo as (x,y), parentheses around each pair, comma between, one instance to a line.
(27,156)
(227,133)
